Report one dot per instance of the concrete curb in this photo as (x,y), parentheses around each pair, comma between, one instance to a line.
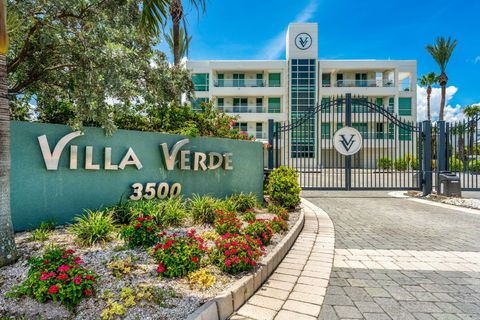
(230,300)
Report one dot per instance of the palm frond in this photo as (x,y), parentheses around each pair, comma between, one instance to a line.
(441,51)
(154,14)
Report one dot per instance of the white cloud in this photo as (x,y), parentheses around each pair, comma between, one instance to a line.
(276,45)
(452,113)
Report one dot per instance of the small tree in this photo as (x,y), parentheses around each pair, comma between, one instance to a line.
(428,80)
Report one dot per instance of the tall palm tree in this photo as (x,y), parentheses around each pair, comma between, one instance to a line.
(154,13)
(183,44)
(472,113)
(8,250)
(428,80)
(177,15)
(441,52)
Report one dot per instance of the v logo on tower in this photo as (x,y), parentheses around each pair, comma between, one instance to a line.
(303,41)
(347,144)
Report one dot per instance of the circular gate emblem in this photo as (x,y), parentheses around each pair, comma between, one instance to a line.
(303,41)
(347,141)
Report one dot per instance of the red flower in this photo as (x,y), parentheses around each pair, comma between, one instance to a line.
(140,219)
(53,289)
(77,280)
(44,276)
(161,268)
(235,251)
(63,268)
(62,276)
(227,253)
(88,277)
(254,263)
(149,218)
(194,259)
(138,225)
(228,262)
(46,261)
(88,292)
(149,229)
(65,256)
(77,260)
(70,251)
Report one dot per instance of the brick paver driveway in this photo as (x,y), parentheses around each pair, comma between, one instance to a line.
(399,259)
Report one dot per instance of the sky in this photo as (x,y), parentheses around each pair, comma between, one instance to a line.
(368,29)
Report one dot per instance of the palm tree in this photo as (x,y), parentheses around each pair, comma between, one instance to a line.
(428,80)
(471,112)
(177,16)
(154,13)
(8,250)
(441,52)
(183,44)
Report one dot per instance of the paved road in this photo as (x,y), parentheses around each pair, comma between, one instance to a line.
(399,259)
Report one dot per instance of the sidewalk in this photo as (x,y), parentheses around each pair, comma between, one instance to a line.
(297,287)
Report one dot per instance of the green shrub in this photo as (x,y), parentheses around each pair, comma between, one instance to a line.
(143,232)
(474,166)
(384,163)
(58,275)
(249,216)
(122,212)
(455,164)
(226,222)
(173,212)
(236,253)
(279,211)
(227,205)
(94,227)
(260,229)
(143,208)
(178,255)
(401,164)
(244,202)
(202,208)
(40,234)
(283,187)
(278,225)
(414,164)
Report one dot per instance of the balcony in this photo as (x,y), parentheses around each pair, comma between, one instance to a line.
(359,84)
(261,135)
(244,109)
(239,83)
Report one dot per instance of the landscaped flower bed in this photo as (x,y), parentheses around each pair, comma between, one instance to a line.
(146,260)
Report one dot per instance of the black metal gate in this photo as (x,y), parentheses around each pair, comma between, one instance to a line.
(389,157)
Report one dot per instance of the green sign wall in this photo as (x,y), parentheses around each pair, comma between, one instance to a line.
(57,173)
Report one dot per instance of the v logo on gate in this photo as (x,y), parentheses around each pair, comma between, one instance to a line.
(347,144)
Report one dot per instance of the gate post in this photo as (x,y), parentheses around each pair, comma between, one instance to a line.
(427,158)
(441,148)
(270,143)
(348,123)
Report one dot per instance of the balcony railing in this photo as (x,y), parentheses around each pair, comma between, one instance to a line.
(360,83)
(252,83)
(244,109)
(261,135)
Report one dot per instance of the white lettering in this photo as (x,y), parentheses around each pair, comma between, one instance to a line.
(51,158)
(130,158)
(170,157)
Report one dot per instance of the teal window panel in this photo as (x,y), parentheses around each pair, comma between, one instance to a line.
(274,79)
(404,134)
(200,81)
(405,106)
(325,131)
(197,103)
(274,105)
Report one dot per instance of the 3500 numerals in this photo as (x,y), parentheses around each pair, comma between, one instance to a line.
(152,190)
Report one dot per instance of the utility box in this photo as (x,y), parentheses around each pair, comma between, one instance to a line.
(449,184)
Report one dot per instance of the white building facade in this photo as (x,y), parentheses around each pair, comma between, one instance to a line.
(284,90)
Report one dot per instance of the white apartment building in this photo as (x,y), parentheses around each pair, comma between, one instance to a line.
(258,90)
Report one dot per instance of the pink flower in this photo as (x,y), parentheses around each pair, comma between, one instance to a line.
(228,262)
(78,260)
(44,276)
(227,253)
(77,280)
(63,268)
(53,289)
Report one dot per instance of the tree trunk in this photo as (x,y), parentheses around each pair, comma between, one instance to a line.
(176,13)
(8,250)
(429,92)
(443,79)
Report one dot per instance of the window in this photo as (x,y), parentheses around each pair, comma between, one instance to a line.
(362,128)
(220,103)
(379,130)
(326,80)
(359,105)
(274,79)
(239,80)
(325,131)
(405,106)
(391,104)
(240,104)
(221,80)
(339,125)
(259,130)
(197,103)
(379,102)
(325,102)
(404,134)
(391,131)
(242,126)
(259,104)
(340,80)
(200,81)
(274,105)
(259,79)
(361,80)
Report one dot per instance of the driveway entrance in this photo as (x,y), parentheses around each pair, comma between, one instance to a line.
(399,259)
